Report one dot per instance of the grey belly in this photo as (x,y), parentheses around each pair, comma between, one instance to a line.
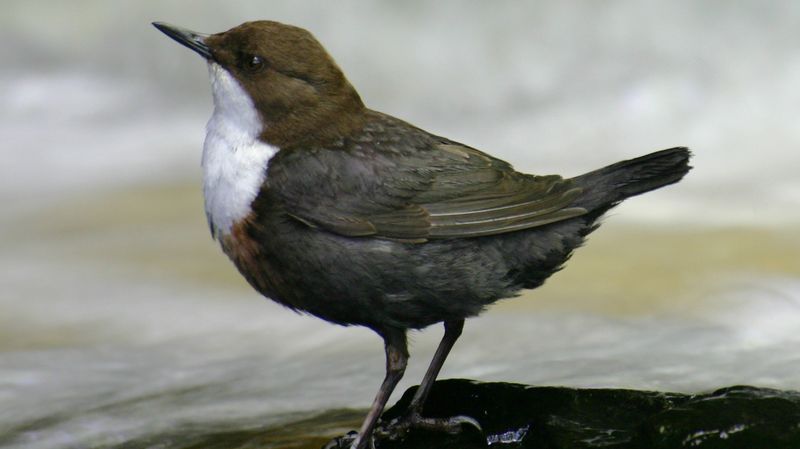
(383,283)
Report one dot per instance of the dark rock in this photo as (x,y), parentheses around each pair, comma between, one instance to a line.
(518,416)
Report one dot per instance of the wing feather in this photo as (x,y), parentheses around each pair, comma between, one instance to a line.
(437,189)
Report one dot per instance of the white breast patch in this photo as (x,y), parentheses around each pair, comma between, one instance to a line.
(234,160)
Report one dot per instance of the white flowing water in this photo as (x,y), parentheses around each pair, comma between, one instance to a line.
(114,327)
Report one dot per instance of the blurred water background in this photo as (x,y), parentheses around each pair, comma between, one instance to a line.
(121,321)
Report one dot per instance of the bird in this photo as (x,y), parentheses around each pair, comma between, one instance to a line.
(359,218)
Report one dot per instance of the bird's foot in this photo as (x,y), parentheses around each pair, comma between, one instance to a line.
(398,428)
(348,441)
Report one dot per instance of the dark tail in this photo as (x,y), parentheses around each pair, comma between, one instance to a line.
(607,186)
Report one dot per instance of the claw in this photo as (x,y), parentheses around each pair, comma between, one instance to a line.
(458,421)
(450,425)
(398,428)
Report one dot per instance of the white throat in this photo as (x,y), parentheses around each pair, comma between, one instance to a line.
(234,160)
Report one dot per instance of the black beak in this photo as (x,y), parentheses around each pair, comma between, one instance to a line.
(192,40)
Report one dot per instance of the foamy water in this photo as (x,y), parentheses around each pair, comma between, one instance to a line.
(99,354)
(160,357)
(551,88)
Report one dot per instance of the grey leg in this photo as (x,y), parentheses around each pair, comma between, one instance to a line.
(396,360)
(452,330)
(414,419)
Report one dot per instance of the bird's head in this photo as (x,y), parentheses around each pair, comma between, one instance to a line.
(283,69)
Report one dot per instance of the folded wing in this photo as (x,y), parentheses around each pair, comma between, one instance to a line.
(444,192)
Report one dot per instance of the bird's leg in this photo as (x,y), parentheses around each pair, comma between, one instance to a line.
(413,418)
(452,330)
(396,360)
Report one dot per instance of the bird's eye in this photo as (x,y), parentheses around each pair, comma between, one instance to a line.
(254,63)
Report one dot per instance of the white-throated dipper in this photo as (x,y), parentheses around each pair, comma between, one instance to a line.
(360,218)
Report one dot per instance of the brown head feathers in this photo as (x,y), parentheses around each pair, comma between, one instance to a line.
(295,85)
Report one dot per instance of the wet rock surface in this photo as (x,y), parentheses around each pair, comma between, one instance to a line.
(519,416)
